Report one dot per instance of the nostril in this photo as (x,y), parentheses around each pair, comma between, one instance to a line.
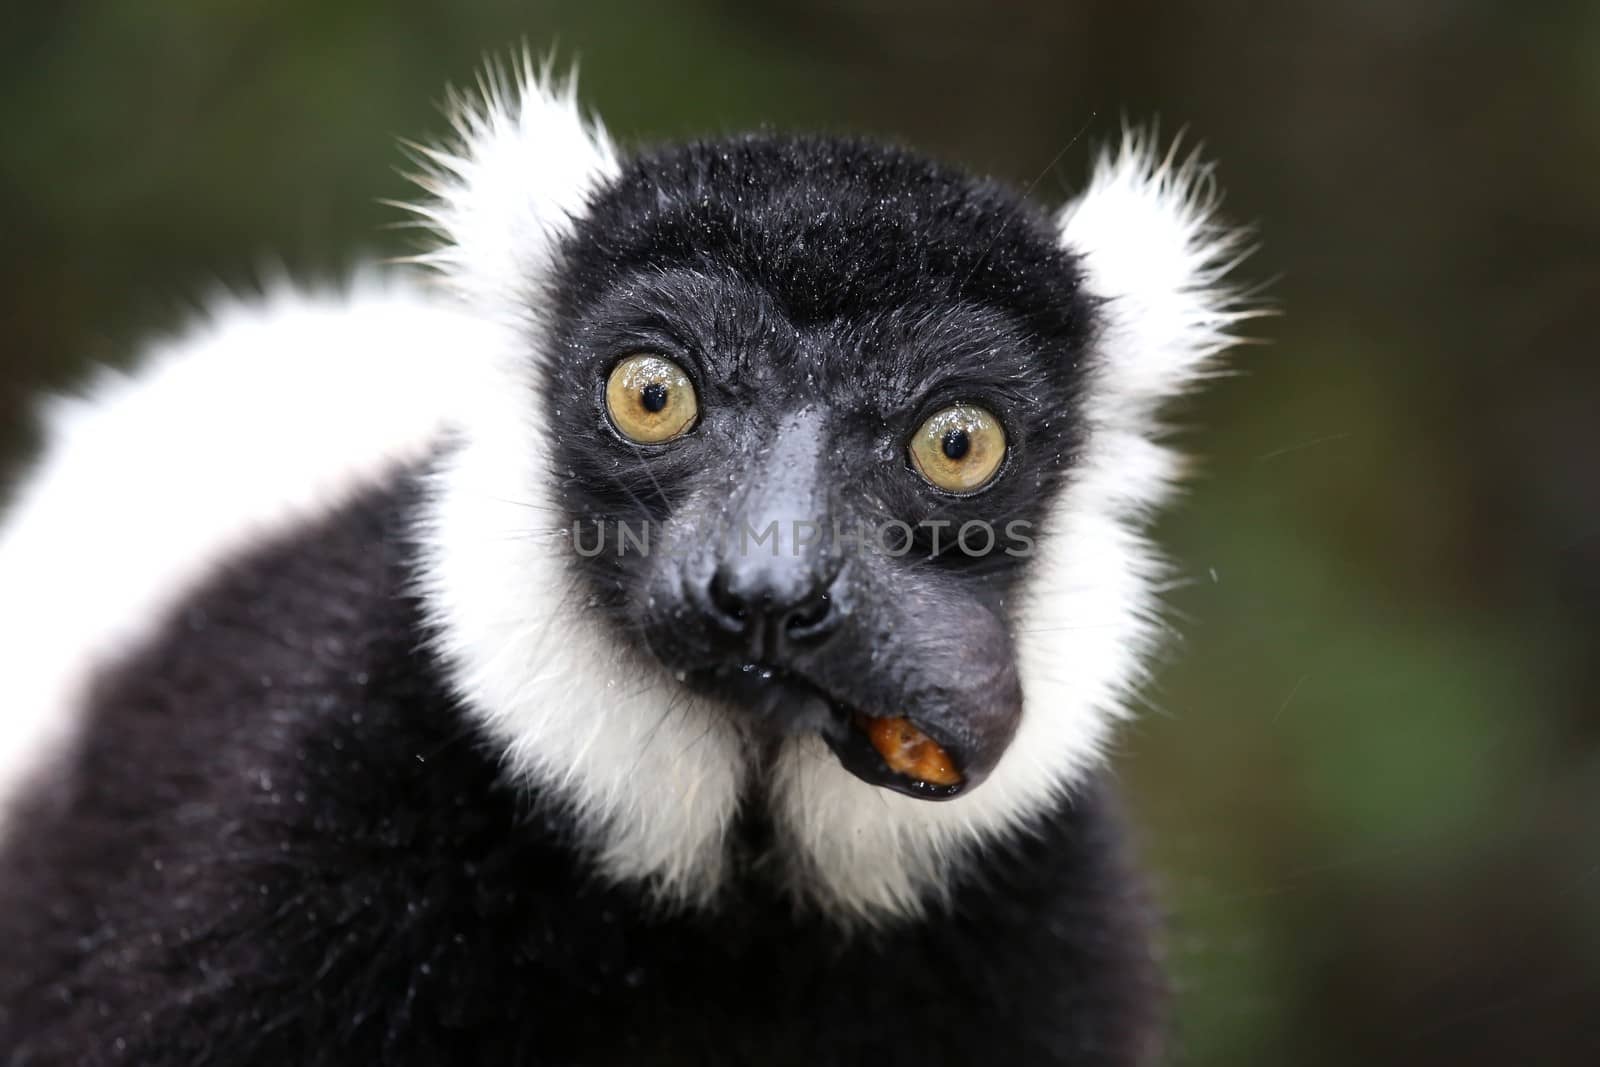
(812,619)
(730,609)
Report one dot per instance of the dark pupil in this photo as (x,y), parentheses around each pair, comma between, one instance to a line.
(957,444)
(654,397)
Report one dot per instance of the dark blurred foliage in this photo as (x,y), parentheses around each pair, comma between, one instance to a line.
(1370,779)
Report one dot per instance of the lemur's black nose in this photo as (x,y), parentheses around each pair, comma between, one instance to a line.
(771,611)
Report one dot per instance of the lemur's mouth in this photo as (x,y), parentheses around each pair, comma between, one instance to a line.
(894,752)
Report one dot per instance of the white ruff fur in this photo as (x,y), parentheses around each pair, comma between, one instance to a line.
(653,773)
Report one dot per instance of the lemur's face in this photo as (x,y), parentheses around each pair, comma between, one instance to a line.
(809,407)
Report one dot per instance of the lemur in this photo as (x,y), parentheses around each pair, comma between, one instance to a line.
(679,621)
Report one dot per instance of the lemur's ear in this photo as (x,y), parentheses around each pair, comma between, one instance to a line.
(505,192)
(1157,258)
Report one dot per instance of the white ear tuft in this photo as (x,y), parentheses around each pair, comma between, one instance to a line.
(505,193)
(1155,254)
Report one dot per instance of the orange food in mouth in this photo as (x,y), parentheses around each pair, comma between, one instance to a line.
(908,751)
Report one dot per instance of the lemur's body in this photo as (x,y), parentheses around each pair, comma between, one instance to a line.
(360,762)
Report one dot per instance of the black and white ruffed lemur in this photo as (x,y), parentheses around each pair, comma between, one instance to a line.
(391,677)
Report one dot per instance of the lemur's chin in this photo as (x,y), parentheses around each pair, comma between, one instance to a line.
(896,754)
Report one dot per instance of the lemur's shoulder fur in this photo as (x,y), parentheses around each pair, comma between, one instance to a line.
(322,502)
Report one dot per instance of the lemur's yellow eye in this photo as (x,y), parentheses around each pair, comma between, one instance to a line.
(959,449)
(650,399)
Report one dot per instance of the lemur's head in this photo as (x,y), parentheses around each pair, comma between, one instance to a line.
(815,397)
(807,482)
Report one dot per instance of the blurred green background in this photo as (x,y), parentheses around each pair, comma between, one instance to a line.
(1369,782)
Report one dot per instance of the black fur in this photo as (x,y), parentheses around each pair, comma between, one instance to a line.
(280,843)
